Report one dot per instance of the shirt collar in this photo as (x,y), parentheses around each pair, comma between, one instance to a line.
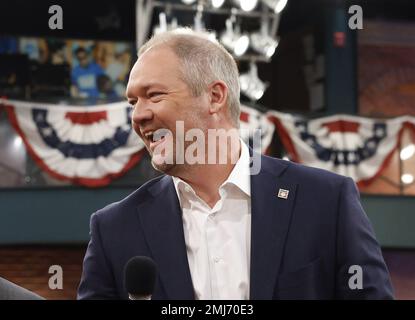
(239,176)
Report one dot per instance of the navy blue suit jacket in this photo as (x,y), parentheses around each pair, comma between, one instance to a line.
(301,247)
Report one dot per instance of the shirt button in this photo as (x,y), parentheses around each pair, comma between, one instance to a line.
(216,259)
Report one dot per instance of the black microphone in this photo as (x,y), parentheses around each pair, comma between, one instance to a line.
(140,278)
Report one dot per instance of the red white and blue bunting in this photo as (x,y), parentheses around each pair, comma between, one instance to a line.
(358,147)
(86,145)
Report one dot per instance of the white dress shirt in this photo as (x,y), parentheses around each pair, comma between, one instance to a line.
(218,239)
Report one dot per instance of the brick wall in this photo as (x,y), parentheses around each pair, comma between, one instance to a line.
(28,267)
(401,265)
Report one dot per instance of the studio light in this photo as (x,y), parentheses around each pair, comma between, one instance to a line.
(217,3)
(251,85)
(276,5)
(247,5)
(199,25)
(262,42)
(188,2)
(265,45)
(241,45)
(233,40)
(163,25)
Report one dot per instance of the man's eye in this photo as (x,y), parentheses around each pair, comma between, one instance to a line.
(155,94)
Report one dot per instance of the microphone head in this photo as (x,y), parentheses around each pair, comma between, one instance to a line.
(140,276)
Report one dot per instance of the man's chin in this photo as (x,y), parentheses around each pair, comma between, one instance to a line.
(162,166)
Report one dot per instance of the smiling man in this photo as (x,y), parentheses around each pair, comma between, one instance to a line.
(214,229)
(168,86)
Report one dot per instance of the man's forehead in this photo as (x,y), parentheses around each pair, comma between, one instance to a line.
(154,69)
(152,73)
(141,80)
(145,84)
(157,62)
(160,51)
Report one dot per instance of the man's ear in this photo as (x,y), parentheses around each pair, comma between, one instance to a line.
(218,95)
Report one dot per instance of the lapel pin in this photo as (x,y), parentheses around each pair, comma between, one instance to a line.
(283,194)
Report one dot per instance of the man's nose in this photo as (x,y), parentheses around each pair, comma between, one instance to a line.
(141,115)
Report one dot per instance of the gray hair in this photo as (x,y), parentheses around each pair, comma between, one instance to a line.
(203,61)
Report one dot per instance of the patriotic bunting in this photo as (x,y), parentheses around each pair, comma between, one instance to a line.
(86,145)
(352,146)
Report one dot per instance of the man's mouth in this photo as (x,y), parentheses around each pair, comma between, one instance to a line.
(156,137)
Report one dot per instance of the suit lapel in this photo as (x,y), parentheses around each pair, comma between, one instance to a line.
(162,225)
(161,220)
(271,217)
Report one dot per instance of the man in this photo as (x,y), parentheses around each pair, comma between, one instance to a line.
(84,75)
(214,230)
